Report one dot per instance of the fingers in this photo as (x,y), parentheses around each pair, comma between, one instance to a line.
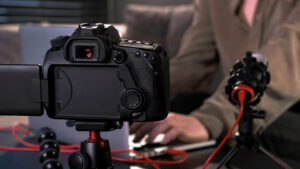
(135,127)
(153,129)
(181,127)
(158,129)
(170,135)
(144,129)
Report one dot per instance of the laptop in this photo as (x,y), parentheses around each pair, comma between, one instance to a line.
(35,41)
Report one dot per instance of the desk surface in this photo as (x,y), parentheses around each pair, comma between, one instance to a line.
(244,159)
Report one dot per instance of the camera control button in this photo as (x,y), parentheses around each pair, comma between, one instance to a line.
(136,115)
(118,57)
(137,53)
(132,99)
(154,58)
(145,55)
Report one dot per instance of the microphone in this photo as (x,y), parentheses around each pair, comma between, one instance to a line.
(247,81)
(249,76)
(246,84)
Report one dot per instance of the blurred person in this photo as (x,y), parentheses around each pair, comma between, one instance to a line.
(221,33)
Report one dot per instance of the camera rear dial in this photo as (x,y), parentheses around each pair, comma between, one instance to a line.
(132,99)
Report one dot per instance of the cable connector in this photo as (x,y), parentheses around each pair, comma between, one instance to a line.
(241,96)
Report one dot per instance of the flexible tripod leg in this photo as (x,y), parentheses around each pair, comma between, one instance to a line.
(274,158)
(229,155)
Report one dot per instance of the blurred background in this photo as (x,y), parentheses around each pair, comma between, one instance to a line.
(71,11)
(160,21)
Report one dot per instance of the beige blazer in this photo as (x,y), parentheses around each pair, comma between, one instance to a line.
(218,37)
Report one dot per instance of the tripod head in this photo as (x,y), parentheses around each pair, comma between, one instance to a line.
(94,125)
(94,152)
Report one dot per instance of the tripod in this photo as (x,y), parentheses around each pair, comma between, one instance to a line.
(95,151)
(245,138)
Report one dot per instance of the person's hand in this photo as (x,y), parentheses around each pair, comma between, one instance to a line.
(176,126)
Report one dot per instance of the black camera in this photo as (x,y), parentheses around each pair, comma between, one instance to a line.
(92,75)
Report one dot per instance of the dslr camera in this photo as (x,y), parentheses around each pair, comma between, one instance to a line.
(92,75)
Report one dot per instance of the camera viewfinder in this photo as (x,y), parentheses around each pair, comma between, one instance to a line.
(85,52)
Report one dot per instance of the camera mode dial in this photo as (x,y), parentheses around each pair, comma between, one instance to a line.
(91,25)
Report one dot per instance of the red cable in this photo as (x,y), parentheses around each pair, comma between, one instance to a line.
(19,139)
(36,145)
(241,95)
(18,149)
(30,149)
(71,148)
(24,131)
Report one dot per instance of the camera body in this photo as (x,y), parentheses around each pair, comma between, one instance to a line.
(94,75)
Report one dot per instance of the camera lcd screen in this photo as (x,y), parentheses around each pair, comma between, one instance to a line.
(86,91)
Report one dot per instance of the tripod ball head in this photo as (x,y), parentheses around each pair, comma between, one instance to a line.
(78,160)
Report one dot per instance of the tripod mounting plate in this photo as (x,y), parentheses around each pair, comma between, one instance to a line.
(94,126)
